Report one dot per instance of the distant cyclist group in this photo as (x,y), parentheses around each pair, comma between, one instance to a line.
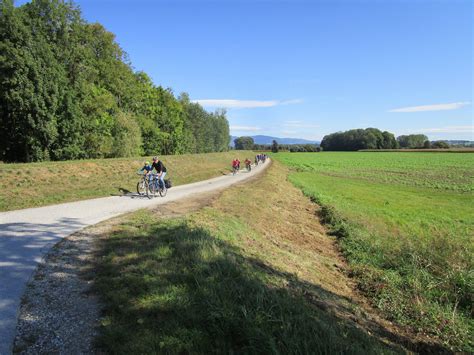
(153,175)
(259,158)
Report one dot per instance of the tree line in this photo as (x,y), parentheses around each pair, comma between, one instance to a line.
(373,138)
(352,140)
(68,91)
(357,139)
(247,143)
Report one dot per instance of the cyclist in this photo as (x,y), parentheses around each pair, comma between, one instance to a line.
(147,167)
(248,164)
(146,170)
(160,170)
(235,165)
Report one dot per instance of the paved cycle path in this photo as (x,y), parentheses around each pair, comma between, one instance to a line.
(26,235)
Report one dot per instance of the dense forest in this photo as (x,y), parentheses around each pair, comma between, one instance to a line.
(68,91)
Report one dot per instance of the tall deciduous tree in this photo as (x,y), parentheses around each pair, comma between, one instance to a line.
(275,147)
(244,143)
(68,91)
(412,141)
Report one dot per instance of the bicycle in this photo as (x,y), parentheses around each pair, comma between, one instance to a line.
(235,170)
(142,185)
(155,185)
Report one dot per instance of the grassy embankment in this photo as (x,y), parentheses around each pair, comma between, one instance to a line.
(39,184)
(253,272)
(406,224)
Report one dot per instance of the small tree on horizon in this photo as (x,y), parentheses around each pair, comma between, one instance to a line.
(275,147)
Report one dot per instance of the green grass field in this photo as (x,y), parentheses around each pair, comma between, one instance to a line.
(405,223)
(46,183)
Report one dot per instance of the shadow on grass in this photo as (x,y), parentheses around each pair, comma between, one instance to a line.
(169,288)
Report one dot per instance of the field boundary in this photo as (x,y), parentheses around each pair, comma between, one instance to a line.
(448,150)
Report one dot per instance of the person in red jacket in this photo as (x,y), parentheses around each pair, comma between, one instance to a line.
(248,164)
(235,165)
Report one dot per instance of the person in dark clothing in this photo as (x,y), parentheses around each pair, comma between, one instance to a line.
(160,170)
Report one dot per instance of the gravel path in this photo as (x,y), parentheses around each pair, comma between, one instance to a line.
(27,235)
(59,314)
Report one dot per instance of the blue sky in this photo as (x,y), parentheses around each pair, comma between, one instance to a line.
(308,68)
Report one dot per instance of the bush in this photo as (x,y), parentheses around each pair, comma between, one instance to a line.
(440,145)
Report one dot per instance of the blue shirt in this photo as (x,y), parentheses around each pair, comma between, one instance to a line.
(148,168)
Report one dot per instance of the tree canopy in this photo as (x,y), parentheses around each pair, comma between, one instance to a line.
(356,139)
(440,145)
(412,141)
(68,91)
(244,143)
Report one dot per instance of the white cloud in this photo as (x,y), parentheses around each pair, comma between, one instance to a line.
(437,107)
(231,103)
(449,129)
(245,128)
(291,102)
(299,124)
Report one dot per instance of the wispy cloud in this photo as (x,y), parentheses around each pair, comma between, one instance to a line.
(245,128)
(299,124)
(437,107)
(231,103)
(288,132)
(291,102)
(449,129)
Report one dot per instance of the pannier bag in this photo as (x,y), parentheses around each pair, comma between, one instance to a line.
(168,183)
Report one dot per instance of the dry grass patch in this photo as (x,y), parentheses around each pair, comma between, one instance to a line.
(287,231)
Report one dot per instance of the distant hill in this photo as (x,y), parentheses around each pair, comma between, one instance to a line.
(259,139)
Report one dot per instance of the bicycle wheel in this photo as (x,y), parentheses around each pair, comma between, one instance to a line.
(149,189)
(163,191)
(156,188)
(141,187)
